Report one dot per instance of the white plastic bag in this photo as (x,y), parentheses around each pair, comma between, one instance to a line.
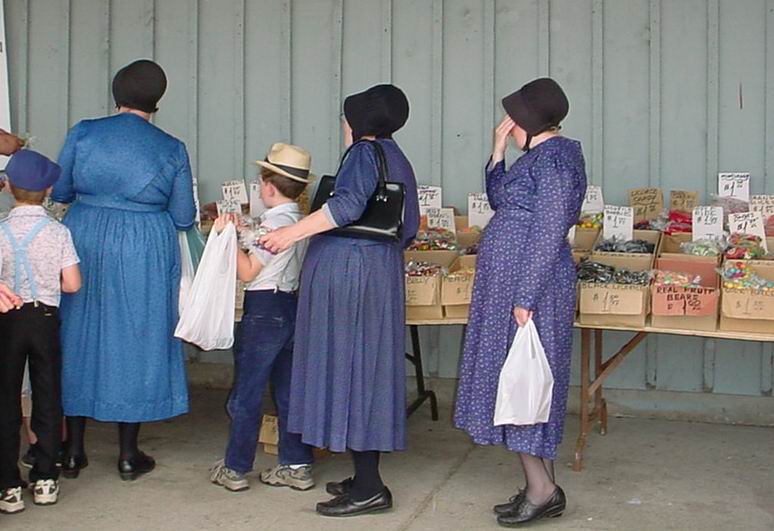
(207,318)
(187,271)
(526,383)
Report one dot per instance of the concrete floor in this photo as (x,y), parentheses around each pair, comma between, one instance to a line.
(646,474)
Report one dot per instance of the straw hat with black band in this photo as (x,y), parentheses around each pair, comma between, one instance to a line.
(289,161)
(536,107)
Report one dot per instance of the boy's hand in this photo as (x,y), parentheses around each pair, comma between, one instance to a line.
(222,221)
(8,299)
(9,143)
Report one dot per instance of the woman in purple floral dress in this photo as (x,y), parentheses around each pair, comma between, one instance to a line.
(525,271)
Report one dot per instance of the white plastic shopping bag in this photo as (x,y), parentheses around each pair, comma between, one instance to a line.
(526,383)
(207,318)
(187,271)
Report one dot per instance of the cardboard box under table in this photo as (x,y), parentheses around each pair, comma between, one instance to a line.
(676,307)
(423,294)
(749,310)
(618,304)
(456,293)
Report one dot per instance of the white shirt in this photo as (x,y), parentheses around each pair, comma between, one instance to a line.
(280,271)
(51,251)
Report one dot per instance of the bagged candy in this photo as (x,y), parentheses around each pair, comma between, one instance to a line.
(741,275)
(745,247)
(590,271)
(704,247)
(674,278)
(617,245)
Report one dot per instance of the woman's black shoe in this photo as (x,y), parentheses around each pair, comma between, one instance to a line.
(528,512)
(73,464)
(344,505)
(131,469)
(510,506)
(338,488)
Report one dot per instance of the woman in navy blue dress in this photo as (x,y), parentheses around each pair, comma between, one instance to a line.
(525,271)
(348,389)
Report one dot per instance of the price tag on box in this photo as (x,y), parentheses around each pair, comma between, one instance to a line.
(479,211)
(429,197)
(707,222)
(763,204)
(441,218)
(683,201)
(256,204)
(648,203)
(619,223)
(593,203)
(750,223)
(235,190)
(734,184)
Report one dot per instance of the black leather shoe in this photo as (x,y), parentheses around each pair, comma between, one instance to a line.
(131,469)
(344,505)
(528,512)
(510,506)
(337,488)
(73,464)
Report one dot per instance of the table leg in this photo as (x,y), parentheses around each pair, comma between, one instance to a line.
(422,393)
(580,445)
(600,404)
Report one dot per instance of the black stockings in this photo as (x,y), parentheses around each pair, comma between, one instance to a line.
(367,482)
(127,437)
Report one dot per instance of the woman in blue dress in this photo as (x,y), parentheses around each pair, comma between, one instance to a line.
(348,390)
(131,189)
(525,271)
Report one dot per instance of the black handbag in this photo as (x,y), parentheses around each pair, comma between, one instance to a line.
(383,215)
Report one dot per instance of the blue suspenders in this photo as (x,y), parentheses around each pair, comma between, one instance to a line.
(21,259)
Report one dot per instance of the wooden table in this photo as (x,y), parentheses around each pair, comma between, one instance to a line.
(591,391)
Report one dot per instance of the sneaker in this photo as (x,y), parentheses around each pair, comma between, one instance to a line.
(28,459)
(11,500)
(286,476)
(221,475)
(45,491)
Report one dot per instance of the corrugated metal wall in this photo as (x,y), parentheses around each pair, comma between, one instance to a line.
(663,92)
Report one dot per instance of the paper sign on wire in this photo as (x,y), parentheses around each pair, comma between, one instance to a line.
(618,223)
(593,203)
(235,190)
(441,218)
(735,185)
(429,197)
(763,204)
(479,210)
(707,222)
(683,201)
(750,223)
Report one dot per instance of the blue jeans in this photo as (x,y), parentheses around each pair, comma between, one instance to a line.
(263,353)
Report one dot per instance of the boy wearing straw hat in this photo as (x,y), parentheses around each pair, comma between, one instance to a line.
(263,349)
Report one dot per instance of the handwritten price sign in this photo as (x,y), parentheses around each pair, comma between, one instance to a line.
(619,223)
(735,184)
(647,203)
(593,203)
(479,211)
(763,204)
(228,206)
(707,222)
(429,197)
(750,223)
(441,218)
(683,201)
(235,190)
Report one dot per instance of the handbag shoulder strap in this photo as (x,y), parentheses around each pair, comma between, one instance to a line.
(381,162)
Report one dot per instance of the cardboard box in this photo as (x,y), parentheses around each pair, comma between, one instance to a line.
(456,294)
(423,294)
(616,304)
(670,248)
(749,310)
(269,434)
(579,256)
(675,307)
(465,238)
(585,239)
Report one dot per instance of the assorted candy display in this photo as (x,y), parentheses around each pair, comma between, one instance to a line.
(704,247)
(594,272)
(435,240)
(251,231)
(742,275)
(420,268)
(617,245)
(674,278)
(591,221)
(473,249)
(745,247)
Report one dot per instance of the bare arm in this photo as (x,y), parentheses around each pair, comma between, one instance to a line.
(71,279)
(248,266)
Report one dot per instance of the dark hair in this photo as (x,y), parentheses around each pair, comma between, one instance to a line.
(26,196)
(288,187)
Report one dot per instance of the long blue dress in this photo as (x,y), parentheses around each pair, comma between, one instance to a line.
(524,260)
(348,388)
(131,188)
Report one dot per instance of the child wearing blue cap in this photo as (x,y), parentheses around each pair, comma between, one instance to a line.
(38,261)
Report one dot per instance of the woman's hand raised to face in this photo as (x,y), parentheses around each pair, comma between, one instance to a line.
(279,240)
(9,143)
(500,141)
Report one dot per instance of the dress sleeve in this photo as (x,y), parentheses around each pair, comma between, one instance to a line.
(548,233)
(355,184)
(64,192)
(494,174)
(181,204)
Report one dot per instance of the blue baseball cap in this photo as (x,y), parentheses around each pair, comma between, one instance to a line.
(31,171)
